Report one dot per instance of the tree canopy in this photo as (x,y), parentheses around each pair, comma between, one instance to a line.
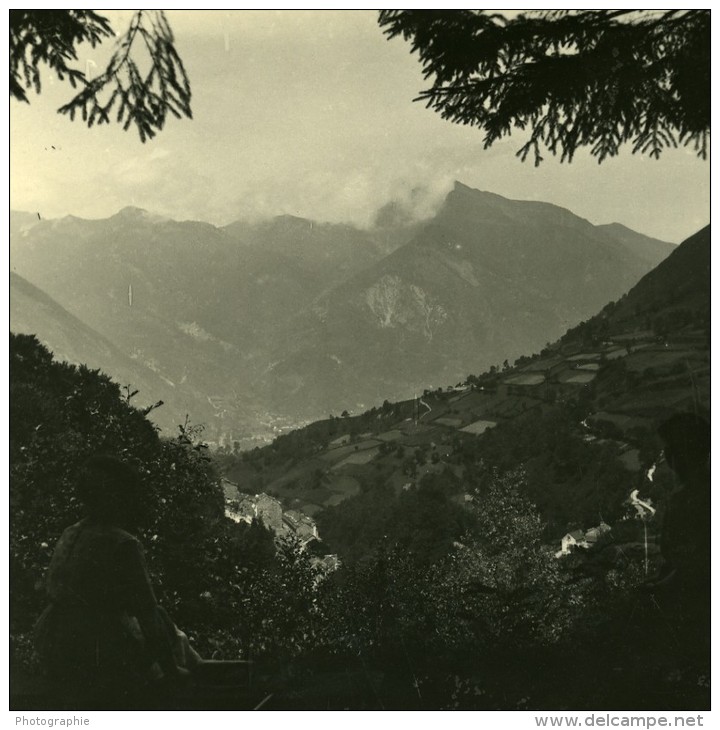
(590,78)
(143,82)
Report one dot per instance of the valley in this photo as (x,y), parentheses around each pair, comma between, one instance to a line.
(255,328)
(601,390)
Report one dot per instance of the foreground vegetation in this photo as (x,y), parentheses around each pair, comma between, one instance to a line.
(455,608)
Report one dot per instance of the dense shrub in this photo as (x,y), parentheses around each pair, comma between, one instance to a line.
(61,415)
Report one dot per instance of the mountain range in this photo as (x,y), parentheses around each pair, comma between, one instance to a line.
(254,327)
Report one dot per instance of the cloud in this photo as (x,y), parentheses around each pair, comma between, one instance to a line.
(311,114)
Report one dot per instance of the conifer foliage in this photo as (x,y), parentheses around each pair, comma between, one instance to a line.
(50,37)
(573,79)
(144,81)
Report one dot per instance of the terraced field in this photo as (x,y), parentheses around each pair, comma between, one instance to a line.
(342,452)
(449,422)
(358,458)
(661,358)
(526,379)
(578,377)
(393,435)
(479,427)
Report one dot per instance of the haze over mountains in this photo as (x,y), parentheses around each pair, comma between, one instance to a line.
(252,327)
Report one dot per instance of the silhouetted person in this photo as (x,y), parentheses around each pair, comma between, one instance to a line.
(683,584)
(104,638)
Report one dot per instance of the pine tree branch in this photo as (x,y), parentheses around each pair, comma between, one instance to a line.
(573,78)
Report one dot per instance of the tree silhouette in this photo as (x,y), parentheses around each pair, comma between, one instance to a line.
(135,94)
(597,79)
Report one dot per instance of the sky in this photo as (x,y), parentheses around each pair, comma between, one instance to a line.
(311,113)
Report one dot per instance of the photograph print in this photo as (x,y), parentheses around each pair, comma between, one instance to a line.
(359,360)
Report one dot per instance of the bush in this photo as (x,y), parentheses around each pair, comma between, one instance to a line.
(61,415)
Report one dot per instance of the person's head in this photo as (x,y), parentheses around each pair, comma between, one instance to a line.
(686,440)
(110,491)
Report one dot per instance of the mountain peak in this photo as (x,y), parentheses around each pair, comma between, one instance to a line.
(133,213)
(293,221)
(457,185)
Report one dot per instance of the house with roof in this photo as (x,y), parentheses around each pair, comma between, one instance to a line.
(579,539)
(240,507)
(595,534)
(570,542)
(301,525)
(269,511)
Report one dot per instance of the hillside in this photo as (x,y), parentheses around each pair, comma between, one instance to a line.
(70,340)
(675,294)
(487,279)
(581,416)
(256,327)
(33,312)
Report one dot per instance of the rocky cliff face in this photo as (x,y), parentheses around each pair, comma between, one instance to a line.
(396,303)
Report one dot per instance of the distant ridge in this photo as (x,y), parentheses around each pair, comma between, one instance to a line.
(298,318)
(32,311)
